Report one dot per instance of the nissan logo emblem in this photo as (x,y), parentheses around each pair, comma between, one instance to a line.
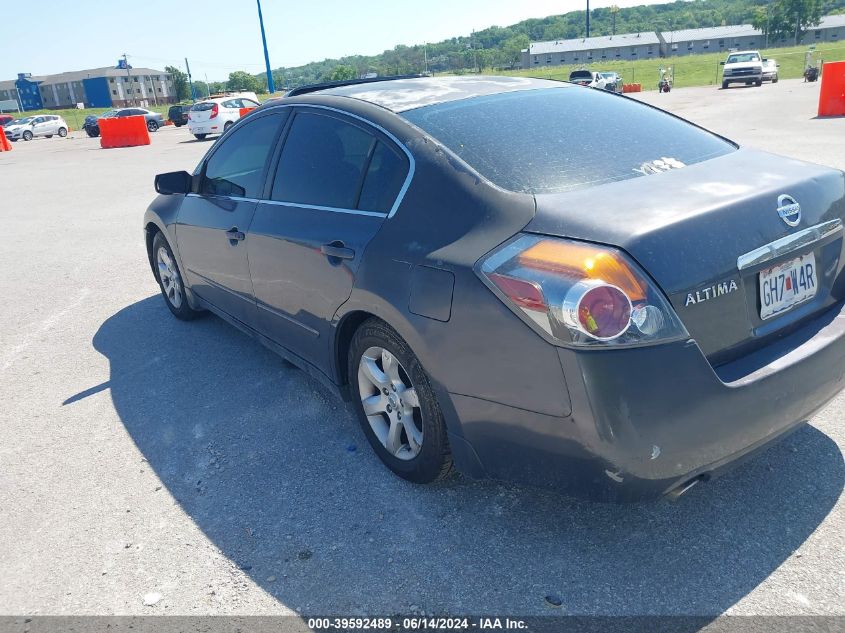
(789,210)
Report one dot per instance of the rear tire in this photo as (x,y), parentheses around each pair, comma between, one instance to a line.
(48,136)
(200,137)
(387,378)
(170,280)
(758,83)
(724,85)
(775,79)
(152,126)
(62,132)
(227,125)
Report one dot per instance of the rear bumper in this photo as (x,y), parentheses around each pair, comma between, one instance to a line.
(205,129)
(646,421)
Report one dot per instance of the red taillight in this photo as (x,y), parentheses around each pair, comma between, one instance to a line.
(599,310)
(215,110)
(578,293)
(523,293)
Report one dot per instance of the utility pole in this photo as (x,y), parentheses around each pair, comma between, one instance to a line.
(271,87)
(207,87)
(190,81)
(588,18)
(128,78)
(613,11)
(425,56)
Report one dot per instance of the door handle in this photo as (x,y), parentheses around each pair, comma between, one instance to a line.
(337,250)
(235,235)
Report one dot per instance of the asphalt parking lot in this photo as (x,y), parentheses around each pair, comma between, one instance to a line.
(142,455)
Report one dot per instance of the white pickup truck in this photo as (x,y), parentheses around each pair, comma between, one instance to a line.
(743,67)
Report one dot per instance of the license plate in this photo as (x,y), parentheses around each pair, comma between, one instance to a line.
(786,285)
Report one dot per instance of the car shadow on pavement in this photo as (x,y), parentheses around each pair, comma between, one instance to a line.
(275,471)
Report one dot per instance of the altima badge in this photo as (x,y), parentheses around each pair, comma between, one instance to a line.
(711,292)
(789,210)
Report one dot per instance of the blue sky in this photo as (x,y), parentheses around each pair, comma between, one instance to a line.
(219,36)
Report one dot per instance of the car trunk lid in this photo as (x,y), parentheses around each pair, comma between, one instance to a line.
(201,112)
(706,232)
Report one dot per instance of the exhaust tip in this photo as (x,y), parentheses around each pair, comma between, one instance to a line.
(685,487)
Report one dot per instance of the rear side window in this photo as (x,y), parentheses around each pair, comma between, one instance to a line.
(545,141)
(385,177)
(237,165)
(200,107)
(323,162)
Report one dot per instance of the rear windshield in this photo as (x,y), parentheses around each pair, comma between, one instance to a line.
(580,74)
(199,107)
(559,139)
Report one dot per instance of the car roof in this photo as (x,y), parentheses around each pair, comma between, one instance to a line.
(400,95)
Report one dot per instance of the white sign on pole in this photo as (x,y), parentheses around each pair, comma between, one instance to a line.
(80,106)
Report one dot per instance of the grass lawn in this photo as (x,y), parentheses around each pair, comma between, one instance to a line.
(690,70)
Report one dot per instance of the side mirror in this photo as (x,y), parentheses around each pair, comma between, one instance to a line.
(765,59)
(721,63)
(173,182)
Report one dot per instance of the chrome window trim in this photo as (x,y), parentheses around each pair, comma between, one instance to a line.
(377,214)
(790,243)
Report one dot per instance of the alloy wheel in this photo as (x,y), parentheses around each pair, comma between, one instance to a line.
(390,403)
(169,275)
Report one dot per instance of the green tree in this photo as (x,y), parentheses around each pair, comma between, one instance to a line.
(240,80)
(343,73)
(787,19)
(180,82)
(512,49)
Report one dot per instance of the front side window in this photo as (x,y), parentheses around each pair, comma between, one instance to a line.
(543,141)
(323,162)
(236,167)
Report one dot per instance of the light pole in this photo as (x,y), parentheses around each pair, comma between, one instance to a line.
(588,18)
(271,88)
(613,11)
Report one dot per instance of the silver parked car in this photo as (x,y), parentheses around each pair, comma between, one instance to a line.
(48,125)
(770,70)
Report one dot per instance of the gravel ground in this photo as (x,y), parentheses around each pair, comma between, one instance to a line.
(141,455)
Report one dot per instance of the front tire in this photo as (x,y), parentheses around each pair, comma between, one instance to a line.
(27,136)
(724,85)
(152,126)
(396,406)
(775,79)
(169,280)
(758,83)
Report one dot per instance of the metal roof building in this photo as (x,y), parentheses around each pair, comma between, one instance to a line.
(710,40)
(631,46)
(584,50)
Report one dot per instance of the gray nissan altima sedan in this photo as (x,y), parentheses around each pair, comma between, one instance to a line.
(501,291)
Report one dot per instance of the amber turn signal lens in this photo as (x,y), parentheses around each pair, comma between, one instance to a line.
(583,261)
